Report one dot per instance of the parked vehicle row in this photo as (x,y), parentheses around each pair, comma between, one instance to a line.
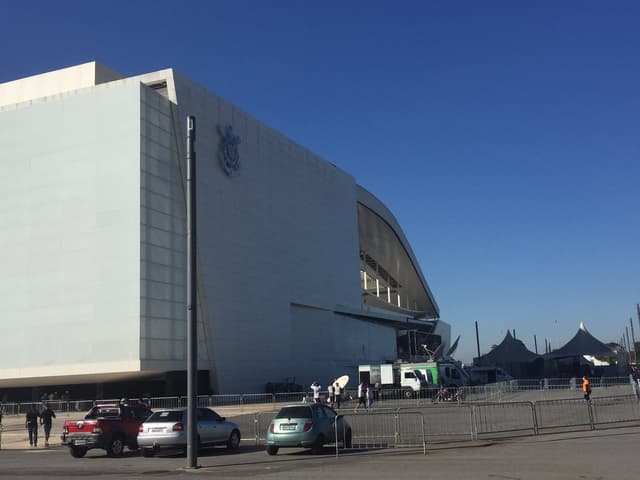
(116,426)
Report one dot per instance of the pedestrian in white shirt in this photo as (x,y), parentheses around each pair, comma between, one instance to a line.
(315,386)
(361,396)
(337,392)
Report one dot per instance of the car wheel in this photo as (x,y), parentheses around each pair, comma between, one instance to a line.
(408,393)
(317,446)
(234,440)
(347,439)
(272,450)
(148,452)
(77,452)
(116,446)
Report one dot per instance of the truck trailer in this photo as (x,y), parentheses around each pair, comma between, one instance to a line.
(413,377)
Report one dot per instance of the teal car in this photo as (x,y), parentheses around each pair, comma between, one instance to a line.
(307,426)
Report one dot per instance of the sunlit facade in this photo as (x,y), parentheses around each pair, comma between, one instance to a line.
(303,274)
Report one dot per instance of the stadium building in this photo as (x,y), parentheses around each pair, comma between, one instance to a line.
(302,272)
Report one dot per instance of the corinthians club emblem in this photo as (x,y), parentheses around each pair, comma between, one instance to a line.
(229,155)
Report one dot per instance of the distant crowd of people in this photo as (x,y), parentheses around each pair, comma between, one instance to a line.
(334,397)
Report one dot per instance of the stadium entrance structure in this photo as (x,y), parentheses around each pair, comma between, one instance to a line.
(302,272)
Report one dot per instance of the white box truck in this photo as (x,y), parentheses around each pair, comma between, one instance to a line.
(413,377)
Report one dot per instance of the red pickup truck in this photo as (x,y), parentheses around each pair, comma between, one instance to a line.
(110,427)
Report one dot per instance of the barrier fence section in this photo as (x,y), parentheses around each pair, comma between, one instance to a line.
(615,410)
(563,415)
(373,430)
(497,392)
(381,429)
(289,397)
(263,420)
(62,406)
(493,420)
(420,422)
(448,422)
(165,402)
(254,426)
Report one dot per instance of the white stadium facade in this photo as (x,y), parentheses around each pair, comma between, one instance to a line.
(302,273)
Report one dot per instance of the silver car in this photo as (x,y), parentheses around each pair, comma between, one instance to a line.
(167,429)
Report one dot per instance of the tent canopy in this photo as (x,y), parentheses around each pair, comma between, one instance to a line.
(582,343)
(509,351)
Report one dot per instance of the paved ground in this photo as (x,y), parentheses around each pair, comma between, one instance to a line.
(605,454)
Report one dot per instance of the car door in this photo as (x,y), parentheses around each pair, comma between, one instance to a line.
(331,418)
(328,429)
(130,424)
(214,427)
(139,413)
(205,428)
(220,427)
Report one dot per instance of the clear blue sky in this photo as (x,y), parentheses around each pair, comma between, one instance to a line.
(504,136)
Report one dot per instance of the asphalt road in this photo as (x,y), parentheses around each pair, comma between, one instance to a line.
(604,454)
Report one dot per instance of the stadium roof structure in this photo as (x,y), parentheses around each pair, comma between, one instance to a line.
(509,351)
(582,343)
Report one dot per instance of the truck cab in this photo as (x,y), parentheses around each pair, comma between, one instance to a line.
(416,380)
(453,375)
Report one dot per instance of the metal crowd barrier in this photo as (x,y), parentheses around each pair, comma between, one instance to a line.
(420,422)
(384,429)
(492,420)
(410,427)
(448,422)
(619,410)
(62,406)
(492,393)
(563,415)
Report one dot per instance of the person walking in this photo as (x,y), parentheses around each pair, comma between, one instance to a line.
(586,388)
(46,420)
(337,394)
(369,394)
(31,423)
(315,386)
(636,376)
(361,396)
(330,394)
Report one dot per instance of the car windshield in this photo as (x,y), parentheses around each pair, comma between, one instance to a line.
(103,412)
(294,412)
(165,416)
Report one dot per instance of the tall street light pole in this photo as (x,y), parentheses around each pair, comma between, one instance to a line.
(192,300)
(633,340)
(478,343)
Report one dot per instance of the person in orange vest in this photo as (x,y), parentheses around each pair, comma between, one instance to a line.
(586,388)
